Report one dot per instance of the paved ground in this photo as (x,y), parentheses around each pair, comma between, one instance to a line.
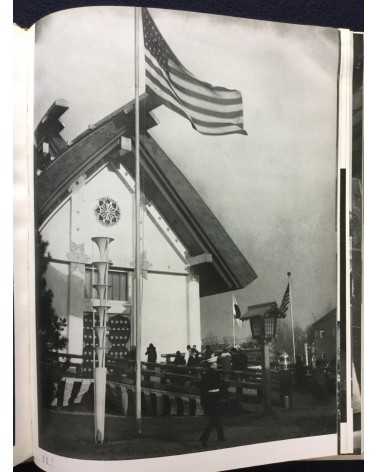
(71,434)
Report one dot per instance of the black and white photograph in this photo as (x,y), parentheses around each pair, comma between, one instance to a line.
(185,188)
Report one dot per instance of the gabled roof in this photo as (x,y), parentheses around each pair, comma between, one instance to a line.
(164,185)
(323,319)
(261,309)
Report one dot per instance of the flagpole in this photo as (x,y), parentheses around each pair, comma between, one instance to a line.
(233,318)
(233,328)
(291,316)
(137,271)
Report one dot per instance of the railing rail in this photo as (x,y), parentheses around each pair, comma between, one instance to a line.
(161,375)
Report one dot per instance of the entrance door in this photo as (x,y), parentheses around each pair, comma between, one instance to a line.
(117,340)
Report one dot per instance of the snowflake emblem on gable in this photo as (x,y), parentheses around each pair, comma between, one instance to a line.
(107,211)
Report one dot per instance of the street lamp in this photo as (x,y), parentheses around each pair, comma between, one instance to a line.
(102,308)
(263,321)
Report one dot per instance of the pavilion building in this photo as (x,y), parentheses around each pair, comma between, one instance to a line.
(86,189)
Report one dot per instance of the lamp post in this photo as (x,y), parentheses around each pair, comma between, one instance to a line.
(263,322)
(102,266)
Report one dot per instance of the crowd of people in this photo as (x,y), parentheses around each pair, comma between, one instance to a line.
(231,358)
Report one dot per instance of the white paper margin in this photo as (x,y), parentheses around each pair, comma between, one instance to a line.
(23,156)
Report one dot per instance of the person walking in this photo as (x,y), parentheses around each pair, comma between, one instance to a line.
(212,390)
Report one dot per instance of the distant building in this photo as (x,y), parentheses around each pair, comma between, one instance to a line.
(321,336)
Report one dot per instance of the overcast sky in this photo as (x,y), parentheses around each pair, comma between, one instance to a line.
(273,190)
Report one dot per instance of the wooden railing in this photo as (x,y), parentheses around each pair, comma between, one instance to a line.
(169,377)
(167,389)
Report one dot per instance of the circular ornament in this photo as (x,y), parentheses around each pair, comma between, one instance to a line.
(107,211)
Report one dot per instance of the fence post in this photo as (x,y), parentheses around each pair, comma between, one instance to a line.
(159,404)
(125,399)
(286,388)
(267,378)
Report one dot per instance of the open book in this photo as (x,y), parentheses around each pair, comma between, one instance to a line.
(189,200)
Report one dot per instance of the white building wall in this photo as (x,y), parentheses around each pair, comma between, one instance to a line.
(163,317)
(171,308)
(56,230)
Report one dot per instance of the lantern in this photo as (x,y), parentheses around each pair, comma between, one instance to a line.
(263,320)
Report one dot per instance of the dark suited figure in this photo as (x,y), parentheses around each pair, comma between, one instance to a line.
(151,354)
(211,387)
(207,353)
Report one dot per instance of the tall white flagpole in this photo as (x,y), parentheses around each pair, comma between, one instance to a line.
(233,319)
(291,316)
(137,259)
(233,328)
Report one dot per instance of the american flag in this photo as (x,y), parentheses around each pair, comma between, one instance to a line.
(211,110)
(285,301)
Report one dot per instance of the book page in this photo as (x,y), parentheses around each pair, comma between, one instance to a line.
(186,217)
(23,80)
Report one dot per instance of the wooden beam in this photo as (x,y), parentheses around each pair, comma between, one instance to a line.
(204,258)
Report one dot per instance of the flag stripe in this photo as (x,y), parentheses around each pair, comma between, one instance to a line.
(213,110)
(221,92)
(201,89)
(180,84)
(167,94)
(151,88)
(230,129)
(219,131)
(194,104)
(152,63)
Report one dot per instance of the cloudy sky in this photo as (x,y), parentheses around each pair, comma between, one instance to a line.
(273,190)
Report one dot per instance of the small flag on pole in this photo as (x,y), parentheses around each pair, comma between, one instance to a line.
(236,313)
(285,301)
(210,109)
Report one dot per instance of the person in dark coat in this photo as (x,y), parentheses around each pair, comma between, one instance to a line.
(235,359)
(193,360)
(179,359)
(212,390)
(207,353)
(225,360)
(151,354)
(178,363)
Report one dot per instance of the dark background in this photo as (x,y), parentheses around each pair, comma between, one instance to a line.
(334,13)
(300,466)
(337,13)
